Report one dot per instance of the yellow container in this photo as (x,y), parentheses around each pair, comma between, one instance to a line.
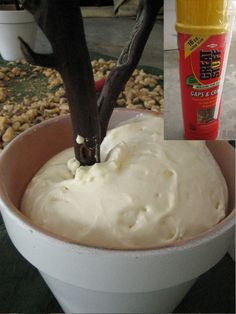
(202,17)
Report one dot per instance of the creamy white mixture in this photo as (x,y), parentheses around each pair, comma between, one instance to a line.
(79,139)
(145,193)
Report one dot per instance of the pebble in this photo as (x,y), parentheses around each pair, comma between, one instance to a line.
(3,94)
(156,108)
(3,123)
(8,135)
(16,125)
(24,127)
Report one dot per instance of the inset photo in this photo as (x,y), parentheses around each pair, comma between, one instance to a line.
(200,69)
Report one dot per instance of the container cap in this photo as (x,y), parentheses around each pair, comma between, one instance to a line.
(202,17)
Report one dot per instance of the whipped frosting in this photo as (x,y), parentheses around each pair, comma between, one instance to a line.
(145,193)
(79,139)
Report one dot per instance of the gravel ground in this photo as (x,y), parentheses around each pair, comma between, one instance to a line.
(30,95)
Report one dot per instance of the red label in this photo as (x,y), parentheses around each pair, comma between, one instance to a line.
(201,66)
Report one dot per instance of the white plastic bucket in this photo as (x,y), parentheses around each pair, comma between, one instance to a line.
(15,23)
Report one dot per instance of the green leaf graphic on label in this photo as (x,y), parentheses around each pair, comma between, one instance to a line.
(191,80)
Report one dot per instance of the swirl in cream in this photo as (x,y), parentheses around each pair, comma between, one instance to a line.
(145,193)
